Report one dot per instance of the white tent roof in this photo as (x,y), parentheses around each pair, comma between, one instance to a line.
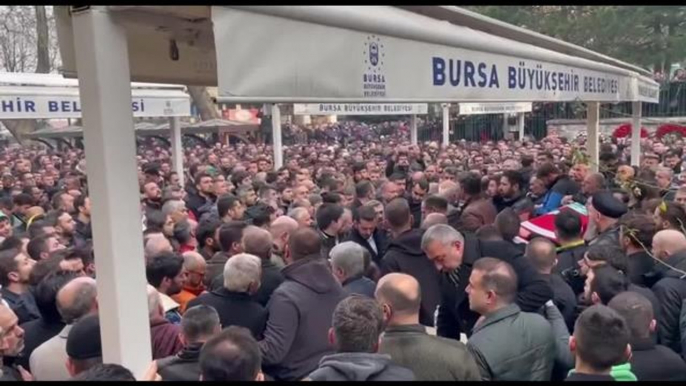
(48,96)
(330,53)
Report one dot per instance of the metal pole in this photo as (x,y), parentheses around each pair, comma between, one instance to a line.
(413,129)
(506,126)
(102,59)
(593,123)
(177,148)
(520,125)
(636,133)
(446,124)
(276,136)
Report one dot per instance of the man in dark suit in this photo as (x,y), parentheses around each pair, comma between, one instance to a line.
(366,233)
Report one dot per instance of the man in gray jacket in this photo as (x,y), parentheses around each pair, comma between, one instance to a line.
(508,344)
(300,310)
(431,358)
(356,326)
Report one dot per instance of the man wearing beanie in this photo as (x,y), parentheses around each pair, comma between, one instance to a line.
(604,211)
(84,346)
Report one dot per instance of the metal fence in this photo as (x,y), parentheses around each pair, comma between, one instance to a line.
(490,126)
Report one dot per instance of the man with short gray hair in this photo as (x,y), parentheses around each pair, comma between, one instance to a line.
(453,255)
(302,216)
(347,265)
(75,300)
(176,209)
(235,301)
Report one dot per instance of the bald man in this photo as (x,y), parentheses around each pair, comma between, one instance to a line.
(75,300)
(280,230)
(433,219)
(257,241)
(156,243)
(195,267)
(431,358)
(669,246)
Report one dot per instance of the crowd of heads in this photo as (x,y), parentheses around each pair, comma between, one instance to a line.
(374,228)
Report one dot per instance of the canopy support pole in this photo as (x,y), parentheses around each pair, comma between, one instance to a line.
(413,129)
(446,124)
(506,125)
(636,133)
(177,149)
(520,125)
(276,136)
(593,123)
(102,59)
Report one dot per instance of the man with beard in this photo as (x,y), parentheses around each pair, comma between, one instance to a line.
(200,201)
(509,190)
(604,211)
(230,208)
(12,342)
(330,224)
(366,233)
(636,240)
(165,272)
(453,255)
(83,234)
(15,269)
(419,191)
(152,197)
(207,244)
(64,227)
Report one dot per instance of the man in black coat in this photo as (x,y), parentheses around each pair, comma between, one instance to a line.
(670,247)
(649,361)
(366,233)
(541,253)
(509,190)
(257,241)
(235,301)
(454,255)
(202,196)
(198,325)
(405,255)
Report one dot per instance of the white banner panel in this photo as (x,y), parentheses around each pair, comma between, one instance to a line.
(20,105)
(360,109)
(298,61)
(494,108)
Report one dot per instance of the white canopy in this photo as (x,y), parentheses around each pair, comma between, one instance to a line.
(50,96)
(387,54)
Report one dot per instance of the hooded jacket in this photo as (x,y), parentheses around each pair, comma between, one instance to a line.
(164,337)
(354,366)
(300,312)
(405,255)
(670,290)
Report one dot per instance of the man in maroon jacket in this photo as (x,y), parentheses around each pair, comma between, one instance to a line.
(163,334)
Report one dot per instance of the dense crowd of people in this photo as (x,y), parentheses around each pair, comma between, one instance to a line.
(363,258)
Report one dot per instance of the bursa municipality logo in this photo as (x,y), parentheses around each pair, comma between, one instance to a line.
(373,78)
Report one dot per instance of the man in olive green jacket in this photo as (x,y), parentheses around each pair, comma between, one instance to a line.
(508,344)
(431,358)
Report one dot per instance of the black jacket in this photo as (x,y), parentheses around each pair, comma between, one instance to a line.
(501,203)
(568,266)
(360,285)
(454,315)
(83,233)
(23,305)
(670,291)
(235,309)
(651,362)
(328,242)
(194,202)
(184,366)
(300,314)
(405,255)
(416,211)
(639,264)
(36,332)
(380,238)
(271,279)
(564,298)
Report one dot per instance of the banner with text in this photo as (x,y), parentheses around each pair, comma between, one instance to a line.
(298,61)
(361,109)
(62,107)
(494,108)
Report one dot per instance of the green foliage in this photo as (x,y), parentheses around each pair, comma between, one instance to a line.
(648,36)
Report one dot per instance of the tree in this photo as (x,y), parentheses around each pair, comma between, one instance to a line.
(42,40)
(647,36)
(201,99)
